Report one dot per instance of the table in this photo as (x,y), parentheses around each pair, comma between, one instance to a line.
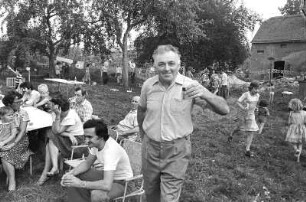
(38,118)
(59,81)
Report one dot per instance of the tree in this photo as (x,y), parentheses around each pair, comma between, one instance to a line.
(292,7)
(50,25)
(217,32)
(118,18)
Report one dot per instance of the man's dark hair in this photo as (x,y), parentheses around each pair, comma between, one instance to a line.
(100,128)
(62,102)
(83,91)
(10,97)
(27,85)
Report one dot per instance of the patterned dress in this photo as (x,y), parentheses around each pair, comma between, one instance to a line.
(19,154)
(297,130)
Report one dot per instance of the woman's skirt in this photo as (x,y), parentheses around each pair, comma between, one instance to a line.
(19,154)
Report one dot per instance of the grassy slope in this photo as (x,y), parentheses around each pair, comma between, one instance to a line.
(218,171)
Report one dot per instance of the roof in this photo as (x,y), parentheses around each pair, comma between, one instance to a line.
(282,29)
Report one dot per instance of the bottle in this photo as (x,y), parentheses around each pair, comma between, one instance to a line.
(75,78)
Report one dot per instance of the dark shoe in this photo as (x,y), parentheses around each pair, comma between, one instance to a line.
(249,154)
(230,139)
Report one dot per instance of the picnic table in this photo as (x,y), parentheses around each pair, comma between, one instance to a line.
(38,118)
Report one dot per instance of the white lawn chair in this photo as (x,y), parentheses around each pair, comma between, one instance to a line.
(133,185)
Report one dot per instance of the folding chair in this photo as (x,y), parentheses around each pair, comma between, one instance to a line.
(75,162)
(134,185)
(113,133)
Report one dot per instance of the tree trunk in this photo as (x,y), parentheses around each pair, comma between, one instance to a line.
(51,65)
(125,59)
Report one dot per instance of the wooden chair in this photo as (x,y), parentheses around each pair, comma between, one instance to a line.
(133,185)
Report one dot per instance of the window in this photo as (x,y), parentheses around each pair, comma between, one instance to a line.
(260,51)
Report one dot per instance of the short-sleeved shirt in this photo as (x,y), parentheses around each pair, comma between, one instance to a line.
(21,116)
(118,70)
(84,110)
(224,79)
(168,115)
(31,98)
(74,123)
(250,101)
(114,158)
(129,121)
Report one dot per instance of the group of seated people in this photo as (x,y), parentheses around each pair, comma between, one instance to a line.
(73,124)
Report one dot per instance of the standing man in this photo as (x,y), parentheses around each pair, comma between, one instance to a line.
(164,118)
(88,184)
(105,72)
(81,105)
(224,85)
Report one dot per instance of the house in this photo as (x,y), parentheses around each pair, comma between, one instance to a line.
(279,47)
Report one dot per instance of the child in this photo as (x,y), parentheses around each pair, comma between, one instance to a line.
(8,129)
(271,93)
(248,102)
(263,113)
(297,130)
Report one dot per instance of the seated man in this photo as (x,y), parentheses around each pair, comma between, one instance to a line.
(88,184)
(81,105)
(30,96)
(128,127)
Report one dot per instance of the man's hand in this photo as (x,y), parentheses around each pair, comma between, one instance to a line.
(196,90)
(69,180)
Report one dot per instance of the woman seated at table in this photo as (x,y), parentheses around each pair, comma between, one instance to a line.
(44,97)
(30,96)
(67,130)
(16,154)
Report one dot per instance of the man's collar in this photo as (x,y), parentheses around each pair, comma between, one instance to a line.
(179,79)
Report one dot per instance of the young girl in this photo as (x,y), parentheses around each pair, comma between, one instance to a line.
(8,129)
(297,130)
(8,132)
(271,92)
(247,103)
(263,113)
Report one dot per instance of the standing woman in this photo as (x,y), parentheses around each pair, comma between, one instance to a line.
(15,155)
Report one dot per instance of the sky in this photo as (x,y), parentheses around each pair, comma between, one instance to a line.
(265,8)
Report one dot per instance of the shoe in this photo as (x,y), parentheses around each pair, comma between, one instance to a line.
(249,154)
(42,180)
(230,139)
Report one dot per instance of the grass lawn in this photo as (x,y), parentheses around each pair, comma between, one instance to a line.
(218,171)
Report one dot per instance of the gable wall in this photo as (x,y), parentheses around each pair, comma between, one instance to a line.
(259,63)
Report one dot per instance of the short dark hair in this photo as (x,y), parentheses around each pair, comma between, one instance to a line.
(62,102)
(27,85)
(83,91)
(100,128)
(10,97)
(254,84)
(263,103)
